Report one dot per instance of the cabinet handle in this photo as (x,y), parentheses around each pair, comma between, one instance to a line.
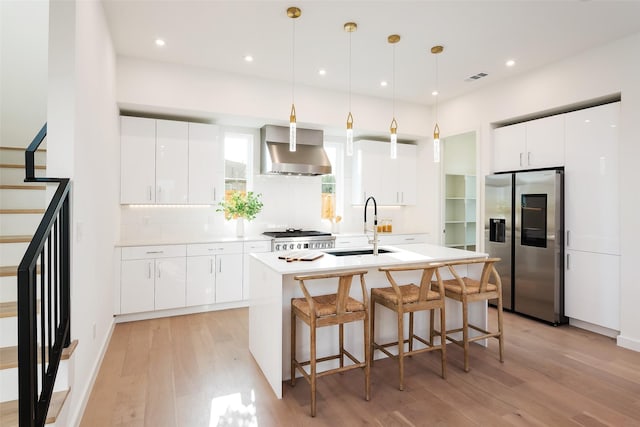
(211,266)
(214,193)
(159,270)
(409,238)
(149,188)
(529,158)
(521,159)
(155,252)
(568,261)
(149,270)
(220,266)
(402,196)
(568,238)
(159,194)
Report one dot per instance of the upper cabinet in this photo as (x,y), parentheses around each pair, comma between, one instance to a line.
(390,181)
(170,162)
(529,145)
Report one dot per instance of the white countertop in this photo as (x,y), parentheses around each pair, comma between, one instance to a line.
(185,240)
(410,254)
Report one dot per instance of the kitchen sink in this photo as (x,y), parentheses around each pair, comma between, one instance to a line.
(356,252)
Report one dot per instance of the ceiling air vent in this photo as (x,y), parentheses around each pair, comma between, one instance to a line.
(475,77)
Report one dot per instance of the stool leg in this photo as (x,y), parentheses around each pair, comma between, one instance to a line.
(500,328)
(293,348)
(432,330)
(401,347)
(411,331)
(443,341)
(312,361)
(465,332)
(341,344)
(367,358)
(373,331)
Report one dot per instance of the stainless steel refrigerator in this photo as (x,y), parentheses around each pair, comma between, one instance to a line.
(524,226)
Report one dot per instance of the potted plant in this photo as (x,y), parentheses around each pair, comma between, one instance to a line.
(240,206)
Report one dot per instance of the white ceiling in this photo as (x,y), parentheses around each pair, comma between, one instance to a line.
(478,36)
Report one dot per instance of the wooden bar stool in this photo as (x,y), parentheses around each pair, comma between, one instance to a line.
(329,310)
(467,290)
(408,299)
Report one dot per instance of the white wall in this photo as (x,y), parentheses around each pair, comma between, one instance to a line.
(83,145)
(611,69)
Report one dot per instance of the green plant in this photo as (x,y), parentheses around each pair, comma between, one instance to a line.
(241,205)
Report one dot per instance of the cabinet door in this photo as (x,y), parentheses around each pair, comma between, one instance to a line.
(206,164)
(137,160)
(137,286)
(375,174)
(251,248)
(591,180)
(229,278)
(172,162)
(406,173)
(170,283)
(592,288)
(509,147)
(201,280)
(545,142)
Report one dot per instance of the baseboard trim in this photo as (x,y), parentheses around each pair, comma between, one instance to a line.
(179,311)
(629,343)
(611,333)
(76,417)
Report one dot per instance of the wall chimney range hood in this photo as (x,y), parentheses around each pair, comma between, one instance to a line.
(308,159)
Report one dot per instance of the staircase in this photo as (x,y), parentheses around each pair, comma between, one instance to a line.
(22,206)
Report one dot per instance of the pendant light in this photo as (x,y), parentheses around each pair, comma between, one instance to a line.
(393,39)
(293,13)
(350,27)
(435,50)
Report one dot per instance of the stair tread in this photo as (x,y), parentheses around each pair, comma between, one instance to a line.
(10,309)
(23,187)
(21,211)
(12,270)
(5,147)
(17,238)
(9,355)
(18,166)
(9,410)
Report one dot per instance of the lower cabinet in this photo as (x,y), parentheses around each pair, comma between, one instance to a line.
(251,247)
(214,273)
(152,278)
(201,280)
(592,288)
(229,277)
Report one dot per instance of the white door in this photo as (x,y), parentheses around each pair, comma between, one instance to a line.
(170,283)
(201,280)
(172,162)
(545,142)
(229,278)
(206,164)
(137,160)
(137,286)
(509,148)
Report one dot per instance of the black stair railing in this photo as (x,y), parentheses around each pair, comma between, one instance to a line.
(44,312)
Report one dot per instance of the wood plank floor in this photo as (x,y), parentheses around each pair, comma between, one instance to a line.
(196,370)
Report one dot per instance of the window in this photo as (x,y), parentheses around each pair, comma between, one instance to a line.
(237,162)
(332,188)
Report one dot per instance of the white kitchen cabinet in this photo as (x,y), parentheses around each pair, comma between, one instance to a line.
(152,278)
(591,180)
(227,269)
(390,181)
(529,145)
(206,164)
(352,241)
(172,162)
(399,240)
(201,280)
(137,160)
(251,247)
(592,290)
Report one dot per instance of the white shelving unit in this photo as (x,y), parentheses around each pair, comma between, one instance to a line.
(460,212)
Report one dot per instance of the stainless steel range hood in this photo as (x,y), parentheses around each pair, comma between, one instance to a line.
(308,159)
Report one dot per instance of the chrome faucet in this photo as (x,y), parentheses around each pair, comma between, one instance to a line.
(375,223)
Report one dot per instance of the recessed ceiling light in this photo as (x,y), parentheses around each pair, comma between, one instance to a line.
(383,83)
(160,42)
(434,93)
(248,58)
(587,121)
(510,63)
(322,71)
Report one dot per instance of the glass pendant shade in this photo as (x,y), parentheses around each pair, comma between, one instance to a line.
(292,129)
(350,135)
(394,139)
(436,144)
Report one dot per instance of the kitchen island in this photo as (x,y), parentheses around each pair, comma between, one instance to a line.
(272,287)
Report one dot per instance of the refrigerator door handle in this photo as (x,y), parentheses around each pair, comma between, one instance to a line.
(568,238)
(568,261)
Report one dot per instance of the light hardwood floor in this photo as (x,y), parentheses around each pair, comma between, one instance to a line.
(196,370)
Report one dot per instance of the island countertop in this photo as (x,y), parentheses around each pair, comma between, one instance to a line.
(409,254)
(272,286)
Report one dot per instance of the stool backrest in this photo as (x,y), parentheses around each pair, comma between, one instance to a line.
(428,271)
(488,270)
(345,279)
